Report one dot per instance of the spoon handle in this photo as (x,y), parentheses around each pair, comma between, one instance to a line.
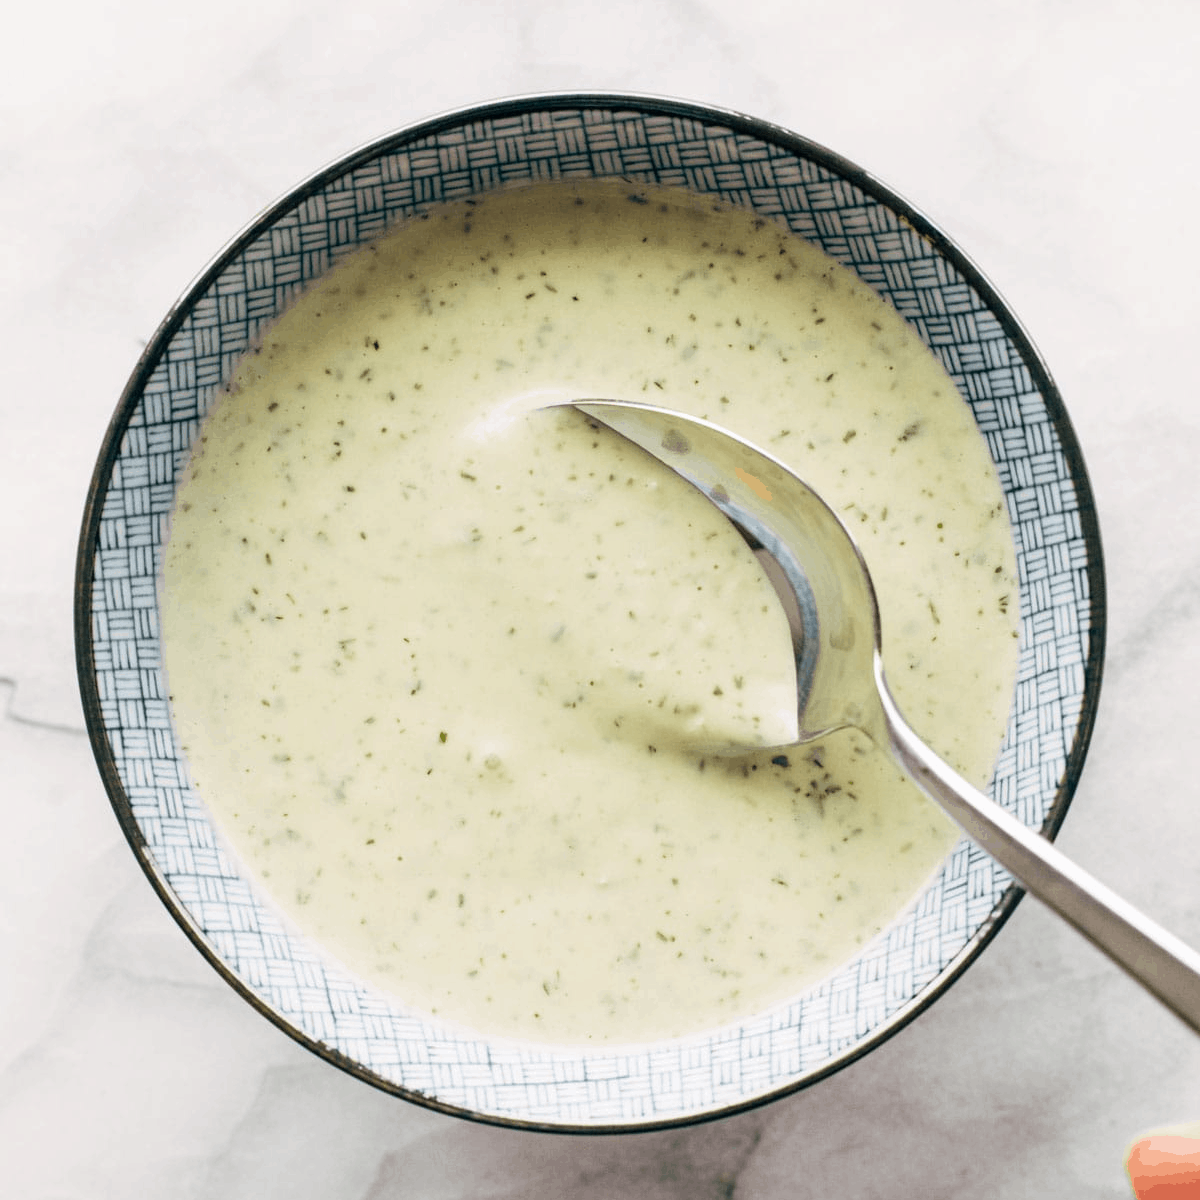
(1167,967)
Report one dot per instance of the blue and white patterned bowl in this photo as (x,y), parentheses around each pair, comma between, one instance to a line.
(850,216)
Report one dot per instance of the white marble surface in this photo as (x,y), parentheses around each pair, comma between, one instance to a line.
(1054,139)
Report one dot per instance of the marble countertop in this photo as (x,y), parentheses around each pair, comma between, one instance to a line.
(1053,139)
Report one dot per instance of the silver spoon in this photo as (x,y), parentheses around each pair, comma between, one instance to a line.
(823,582)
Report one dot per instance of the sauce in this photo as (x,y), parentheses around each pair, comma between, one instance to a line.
(446,668)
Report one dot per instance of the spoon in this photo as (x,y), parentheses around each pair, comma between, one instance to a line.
(817,569)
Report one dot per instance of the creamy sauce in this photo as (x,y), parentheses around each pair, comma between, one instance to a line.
(445,668)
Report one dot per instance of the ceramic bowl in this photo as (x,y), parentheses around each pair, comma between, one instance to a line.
(857,221)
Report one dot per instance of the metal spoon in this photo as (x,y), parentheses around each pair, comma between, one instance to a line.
(825,586)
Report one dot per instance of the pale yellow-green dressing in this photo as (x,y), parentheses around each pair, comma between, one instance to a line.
(446,668)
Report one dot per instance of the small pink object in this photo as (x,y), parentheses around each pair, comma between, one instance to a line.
(1165,1167)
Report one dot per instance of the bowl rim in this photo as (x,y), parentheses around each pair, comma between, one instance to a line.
(614,101)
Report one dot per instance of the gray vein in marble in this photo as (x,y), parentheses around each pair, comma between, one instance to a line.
(9,712)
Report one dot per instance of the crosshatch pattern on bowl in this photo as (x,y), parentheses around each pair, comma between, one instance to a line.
(196,351)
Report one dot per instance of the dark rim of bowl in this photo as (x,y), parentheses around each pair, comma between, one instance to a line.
(612,101)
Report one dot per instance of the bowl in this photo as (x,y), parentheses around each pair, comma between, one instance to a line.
(857,221)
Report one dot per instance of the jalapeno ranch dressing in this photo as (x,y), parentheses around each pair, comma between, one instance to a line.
(448,670)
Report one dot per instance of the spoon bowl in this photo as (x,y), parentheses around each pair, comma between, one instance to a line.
(807,553)
(824,584)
